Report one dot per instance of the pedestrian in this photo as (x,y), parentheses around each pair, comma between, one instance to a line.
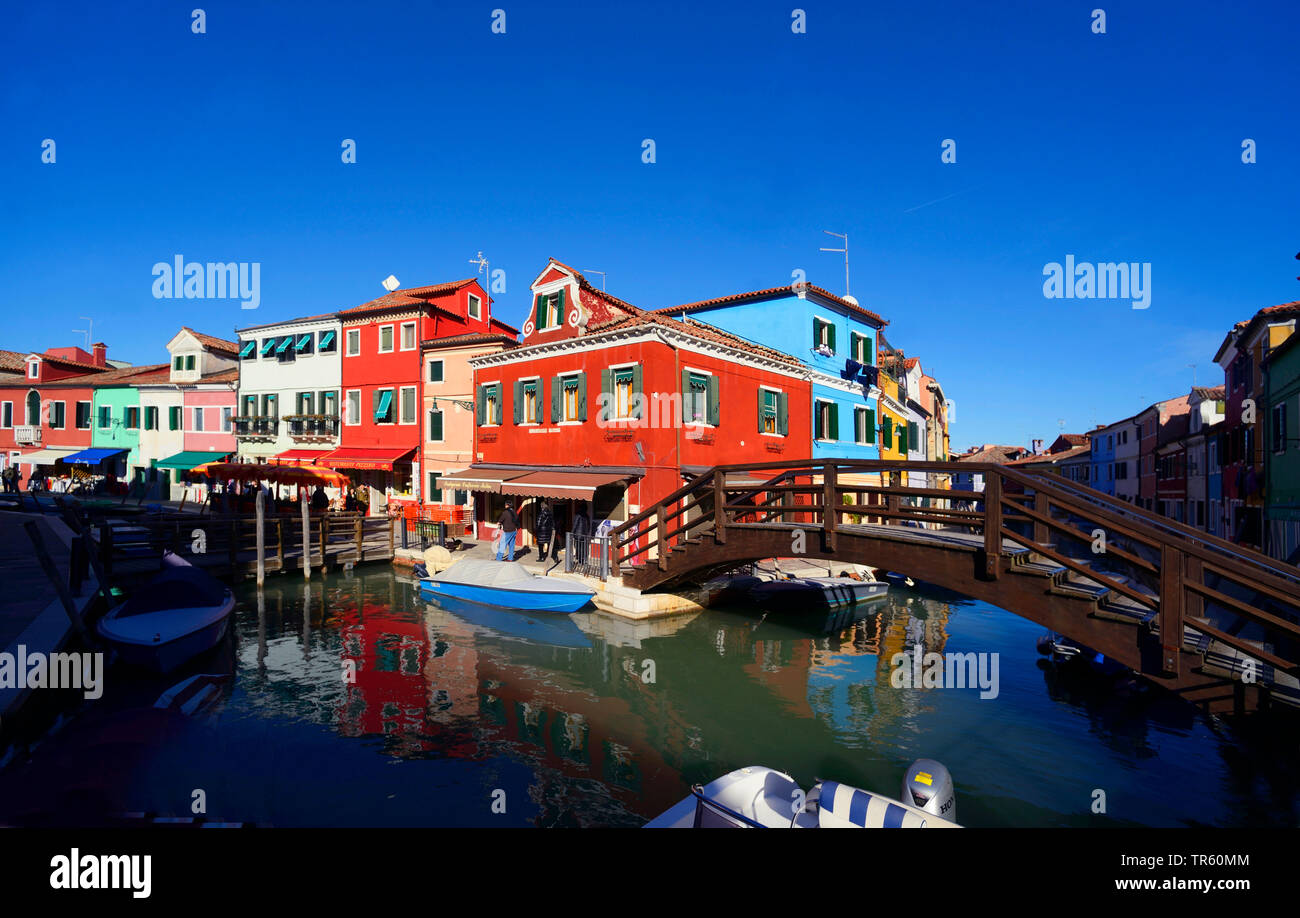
(507,523)
(543,529)
(320,501)
(8,476)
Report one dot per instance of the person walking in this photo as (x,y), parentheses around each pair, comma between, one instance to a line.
(543,529)
(320,501)
(508,524)
(8,476)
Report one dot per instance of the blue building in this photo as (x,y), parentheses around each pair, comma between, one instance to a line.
(1103,456)
(834,337)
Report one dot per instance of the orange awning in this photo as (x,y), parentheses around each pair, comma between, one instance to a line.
(299,457)
(560,485)
(383,458)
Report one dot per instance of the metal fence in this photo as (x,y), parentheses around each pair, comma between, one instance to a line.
(587,555)
(417,533)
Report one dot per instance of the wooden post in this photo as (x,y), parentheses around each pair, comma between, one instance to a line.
(1193,572)
(306,541)
(93,557)
(184,495)
(261,538)
(992,525)
(360,540)
(391,552)
(830,513)
(1042,506)
(47,564)
(660,528)
(719,507)
(1171,608)
(324,569)
(279,543)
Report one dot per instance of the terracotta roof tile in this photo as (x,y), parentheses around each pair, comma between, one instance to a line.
(212,343)
(470,338)
(411,298)
(771,292)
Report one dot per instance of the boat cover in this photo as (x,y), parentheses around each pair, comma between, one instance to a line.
(505,575)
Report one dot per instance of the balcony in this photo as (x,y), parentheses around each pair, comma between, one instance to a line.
(256,427)
(312,426)
(28,435)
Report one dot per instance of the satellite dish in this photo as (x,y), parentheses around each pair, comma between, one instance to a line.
(390,283)
(851,299)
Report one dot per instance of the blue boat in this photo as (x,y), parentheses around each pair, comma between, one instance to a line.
(507,584)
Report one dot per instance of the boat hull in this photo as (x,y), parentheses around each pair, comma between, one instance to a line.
(815,593)
(559,602)
(163,656)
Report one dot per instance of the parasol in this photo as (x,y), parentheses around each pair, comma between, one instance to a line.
(280,474)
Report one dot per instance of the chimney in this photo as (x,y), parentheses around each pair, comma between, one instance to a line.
(100,357)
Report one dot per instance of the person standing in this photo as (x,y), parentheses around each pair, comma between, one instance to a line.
(508,523)
(543,529)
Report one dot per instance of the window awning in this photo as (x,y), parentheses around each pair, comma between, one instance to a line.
(385,401)
(188,459)
(303,341)
(284,344)
(93,456)
(325,341)
(266,348)
(561,485)
(47,456)
(480,479)
(247,349)
(299,457)
(354,458)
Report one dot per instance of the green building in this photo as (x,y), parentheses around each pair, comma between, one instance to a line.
(116,418)
(1281,369)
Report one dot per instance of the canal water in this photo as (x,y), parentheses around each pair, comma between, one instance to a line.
(351,701)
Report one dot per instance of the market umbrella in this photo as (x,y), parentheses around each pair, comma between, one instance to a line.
(280,474)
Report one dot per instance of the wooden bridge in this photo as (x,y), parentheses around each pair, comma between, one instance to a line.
(1207,619)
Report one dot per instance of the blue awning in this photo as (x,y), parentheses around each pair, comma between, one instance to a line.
(266,347)
(303,341)
(284,344)
(93,456)
(247,349)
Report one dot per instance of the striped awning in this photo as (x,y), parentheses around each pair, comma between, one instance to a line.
(247,349)
(489,480)
(325,341)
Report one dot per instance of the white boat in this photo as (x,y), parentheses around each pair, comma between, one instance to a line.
(791,585)
(507,584)
(173,618)
(757,797)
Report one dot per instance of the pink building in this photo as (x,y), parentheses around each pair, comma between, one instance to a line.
(209,407)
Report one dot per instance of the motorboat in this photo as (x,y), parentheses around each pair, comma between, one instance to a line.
(791,585)
(507,584)
(757,797)
(179,614)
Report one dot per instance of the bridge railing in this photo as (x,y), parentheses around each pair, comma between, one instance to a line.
(1178,575)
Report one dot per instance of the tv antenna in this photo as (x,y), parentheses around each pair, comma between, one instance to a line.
(1193,366)
(88,331)
(845,250)
(602,276)
(483,267)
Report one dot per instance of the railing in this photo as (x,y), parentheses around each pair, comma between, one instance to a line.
(256,426)
(1179,575)
(27,434)
(312,425)
(588,555)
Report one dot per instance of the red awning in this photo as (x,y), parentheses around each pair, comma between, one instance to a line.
(560,485)
(299,457)
(346,457)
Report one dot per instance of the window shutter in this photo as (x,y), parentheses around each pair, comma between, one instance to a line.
(559,308)
(714,413)
(902,438)
(817,332)
(606,394)
(887,431)
(582,395)
(782,414)
(539,312)
(835,416)
(519,401)
(914,434)
(537,404)
(871,425)
(638,403)
(760,410)
(557,398)
(435,425)
(480,407)
(500,408)
(830,339)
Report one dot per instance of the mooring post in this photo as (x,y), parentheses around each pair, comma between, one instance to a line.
(360,537)
(260,504)
(51,572)
(306,540)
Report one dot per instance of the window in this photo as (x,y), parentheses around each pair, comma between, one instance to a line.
(381,401)
(864,425)
(268,346)
(623,383)
(487,404)
(385,339)
(826,421)
(353,416)
(549,309)
(700,403)
(860,348)
(133,418)
(178,362)
(475,307)
(435,425)
(306,402)
(435,492)
(569,398)
(772,412)
(435,371)
(174,416)
(33,408)
(329,342)
(57,415)
(198,419)
(408,404)
(886,431)
(528,401)
(247,350)
(285,352)
(226,414)
(83,415)
(105,417)
(150,417)
(6,414)
(354,341)
(33,369)
(303,343)
(408,336)
(823,334)
(329,403)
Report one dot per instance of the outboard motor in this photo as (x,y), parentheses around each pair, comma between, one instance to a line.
(928,786)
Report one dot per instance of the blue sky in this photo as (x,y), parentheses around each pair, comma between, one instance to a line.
(1117,147)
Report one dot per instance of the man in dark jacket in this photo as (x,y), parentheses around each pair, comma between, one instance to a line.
(543,530)
(508,524)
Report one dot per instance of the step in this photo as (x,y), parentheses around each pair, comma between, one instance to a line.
(1040,569)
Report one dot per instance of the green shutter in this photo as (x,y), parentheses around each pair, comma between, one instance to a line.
(480,406)
(519,401)
(782,414)
(914,434)
(835,420)
(557,398)
(582,396)
(496,390)
(435,425)
(559,308)
(606,394)
(638,403)
(871,425)
(539,312)
(830,339)
(761,404)
(715,413)
(887,431)
(902,438)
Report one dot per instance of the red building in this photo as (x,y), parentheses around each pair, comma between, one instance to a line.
(382,367)
(45,401)
(606,408)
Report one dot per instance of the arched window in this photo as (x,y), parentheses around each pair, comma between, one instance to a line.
(33,408)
